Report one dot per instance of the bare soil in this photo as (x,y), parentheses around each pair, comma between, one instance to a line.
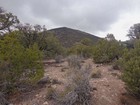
(108,89)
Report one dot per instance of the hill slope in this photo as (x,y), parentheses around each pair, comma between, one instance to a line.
(68,36)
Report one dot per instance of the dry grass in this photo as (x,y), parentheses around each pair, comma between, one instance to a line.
(96,73)
(78,88)
(51,93)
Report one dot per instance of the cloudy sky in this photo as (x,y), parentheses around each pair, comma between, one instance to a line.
(98,17)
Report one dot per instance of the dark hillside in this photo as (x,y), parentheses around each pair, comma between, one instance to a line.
(68,36)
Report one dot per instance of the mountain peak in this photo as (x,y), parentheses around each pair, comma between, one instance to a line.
(69,36)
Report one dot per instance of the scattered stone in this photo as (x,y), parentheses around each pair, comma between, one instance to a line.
(93,89)
(37,95)
(44,81)
(55,81)
(45,103)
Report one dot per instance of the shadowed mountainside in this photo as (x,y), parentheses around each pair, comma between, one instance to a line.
(68,36)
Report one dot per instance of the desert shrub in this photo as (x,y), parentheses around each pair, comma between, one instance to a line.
(78,89)
(53,47)
(46,41)
(51,93)
(96,73)
(131,72)
(74,61)
(80,50)
(3,101)
(106,51)
(18,64)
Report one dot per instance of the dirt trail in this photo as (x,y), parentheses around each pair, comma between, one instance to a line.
(108,87)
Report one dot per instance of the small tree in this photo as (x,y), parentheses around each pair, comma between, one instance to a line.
(110,37)
(131,66)
(18,64)
(53,47)
(106,51)
(134,31)
(8,21)
(81,49)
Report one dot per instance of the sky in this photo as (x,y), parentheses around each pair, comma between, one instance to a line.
(98,17)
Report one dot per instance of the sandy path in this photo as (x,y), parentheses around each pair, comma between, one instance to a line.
(109,87)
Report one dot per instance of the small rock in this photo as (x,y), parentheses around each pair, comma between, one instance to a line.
(45,103)
(92,89)
(44,81)
(37,95)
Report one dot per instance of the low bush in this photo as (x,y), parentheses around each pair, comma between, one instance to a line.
(74,61)
(80,50)
(106,51)
(18,64)
(96,73)
(78,89)
(131,72)
(51,93)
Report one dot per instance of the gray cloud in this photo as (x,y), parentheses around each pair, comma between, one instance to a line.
(88,15)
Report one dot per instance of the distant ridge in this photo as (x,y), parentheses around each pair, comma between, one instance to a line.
(69,37)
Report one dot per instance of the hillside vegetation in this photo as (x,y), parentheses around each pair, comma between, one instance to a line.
(69,37)
(65,66)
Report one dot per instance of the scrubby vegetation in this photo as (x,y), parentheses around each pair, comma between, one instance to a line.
(83,48)
(23,47)
(130,63)
(77,90)
(106,51)
(18,64)
(131,66)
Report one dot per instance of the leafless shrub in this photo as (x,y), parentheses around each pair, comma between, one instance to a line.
(3,101)
(79,93)
(51,93)
(69,99)
(74,61)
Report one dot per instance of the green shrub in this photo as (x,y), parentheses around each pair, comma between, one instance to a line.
(53,47)
(80,50)
(106,51)
(18,64)
(131,66)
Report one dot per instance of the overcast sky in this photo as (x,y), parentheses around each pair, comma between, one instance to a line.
(98,17)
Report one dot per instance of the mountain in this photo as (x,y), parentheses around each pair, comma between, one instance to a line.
(69,37)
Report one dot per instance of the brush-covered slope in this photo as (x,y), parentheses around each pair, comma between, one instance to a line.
(68,36)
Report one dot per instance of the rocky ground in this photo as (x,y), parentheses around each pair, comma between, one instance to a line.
(108,87)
